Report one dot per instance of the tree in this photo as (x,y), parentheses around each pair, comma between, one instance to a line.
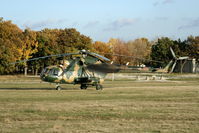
(70,40)
(160,51)
(47,45)
(10,44)
(112,42)
(193,46)
(119,47)
(16,44)
(140,50)
(29,46)
(58,41)
(103,49)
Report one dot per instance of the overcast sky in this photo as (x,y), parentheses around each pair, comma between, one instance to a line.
(105,19)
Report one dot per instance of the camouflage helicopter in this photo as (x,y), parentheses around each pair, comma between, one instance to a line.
(84,68)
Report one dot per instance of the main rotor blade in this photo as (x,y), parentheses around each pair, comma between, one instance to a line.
(104,68)
(95,54)
(173,54)
(43,57)
(183,58)
(174,64)
(127,56)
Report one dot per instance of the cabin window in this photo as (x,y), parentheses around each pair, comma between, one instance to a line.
(55,72)
(46,70)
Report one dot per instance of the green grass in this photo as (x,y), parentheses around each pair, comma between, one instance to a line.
(123,106)
(186,79)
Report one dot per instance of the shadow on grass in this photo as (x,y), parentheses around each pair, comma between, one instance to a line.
(15,88)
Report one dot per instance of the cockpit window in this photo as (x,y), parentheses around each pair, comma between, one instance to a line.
(55,72)
(45,70)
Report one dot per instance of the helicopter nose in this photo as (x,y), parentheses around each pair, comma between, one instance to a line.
(42,75)
(51,74)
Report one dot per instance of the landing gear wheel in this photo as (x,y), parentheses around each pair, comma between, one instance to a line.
(99,87)
(58,88)
(83,87)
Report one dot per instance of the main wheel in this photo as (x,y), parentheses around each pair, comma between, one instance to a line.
(58,88)
(99,87)
(83,87)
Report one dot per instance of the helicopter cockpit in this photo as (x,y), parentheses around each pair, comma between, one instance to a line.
(51,74)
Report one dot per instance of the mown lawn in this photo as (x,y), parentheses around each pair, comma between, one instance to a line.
(123,106)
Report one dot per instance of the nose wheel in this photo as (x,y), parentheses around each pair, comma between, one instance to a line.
(58,87)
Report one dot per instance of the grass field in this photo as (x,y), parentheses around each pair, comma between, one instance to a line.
(26,106)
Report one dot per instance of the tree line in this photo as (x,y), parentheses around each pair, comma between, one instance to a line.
(17,44)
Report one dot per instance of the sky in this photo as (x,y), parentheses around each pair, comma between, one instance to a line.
(105,19)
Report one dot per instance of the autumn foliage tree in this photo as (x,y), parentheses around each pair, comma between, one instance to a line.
(28,47)
(103,49)
(10,45)
(140,50)
(17,44)
(58,41)
(120,48)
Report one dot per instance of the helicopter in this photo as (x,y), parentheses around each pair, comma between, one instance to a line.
(85,68)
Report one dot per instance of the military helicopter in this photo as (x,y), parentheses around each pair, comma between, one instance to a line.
(84,68)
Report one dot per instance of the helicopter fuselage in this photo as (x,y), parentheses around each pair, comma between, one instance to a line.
(72,72)
(56,74)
